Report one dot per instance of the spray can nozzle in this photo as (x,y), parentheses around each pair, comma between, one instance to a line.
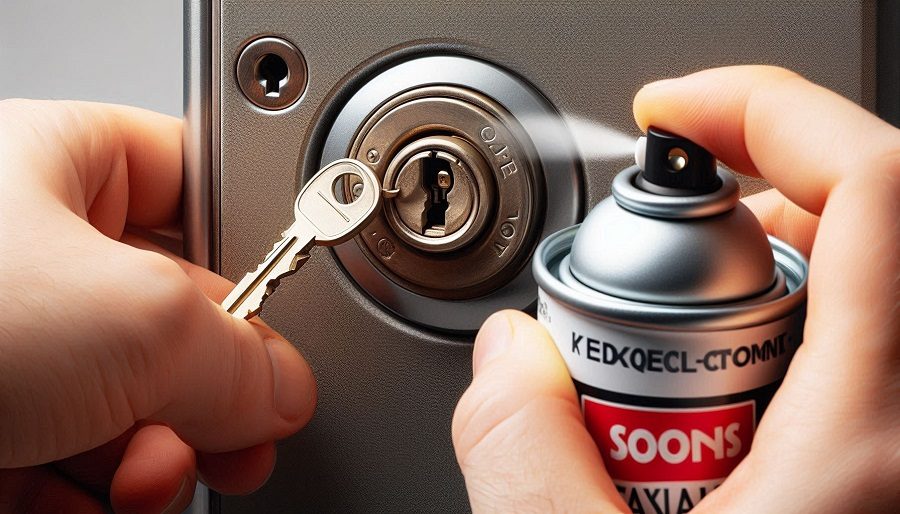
(674,166)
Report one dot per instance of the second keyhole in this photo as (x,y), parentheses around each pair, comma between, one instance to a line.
(271,73)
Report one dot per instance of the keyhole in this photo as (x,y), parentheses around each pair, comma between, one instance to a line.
(438,180)
(272,74)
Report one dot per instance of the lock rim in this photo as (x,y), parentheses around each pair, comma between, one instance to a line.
(295,81)
(548,134)
(507,240)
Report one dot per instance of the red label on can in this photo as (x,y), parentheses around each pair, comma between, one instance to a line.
(642,444)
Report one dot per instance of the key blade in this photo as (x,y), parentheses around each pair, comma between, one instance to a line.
(322,207)
(246,299)
(323,217)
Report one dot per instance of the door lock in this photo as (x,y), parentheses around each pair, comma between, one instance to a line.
(444,189)
(479,165)
(271,73)
(468,192)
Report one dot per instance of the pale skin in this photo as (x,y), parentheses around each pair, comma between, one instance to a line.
(121,379)
(830,440)
(122,382)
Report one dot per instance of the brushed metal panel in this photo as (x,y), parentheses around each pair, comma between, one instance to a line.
(380,440)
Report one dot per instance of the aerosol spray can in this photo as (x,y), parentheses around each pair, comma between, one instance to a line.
(677,317)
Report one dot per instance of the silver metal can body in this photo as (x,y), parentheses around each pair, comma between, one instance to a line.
(671,394)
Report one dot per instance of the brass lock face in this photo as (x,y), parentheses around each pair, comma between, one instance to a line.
(443,193)
(479,167)
(469,236)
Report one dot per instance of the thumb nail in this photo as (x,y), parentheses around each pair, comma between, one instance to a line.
(292,396)
(493,339)
(182,498)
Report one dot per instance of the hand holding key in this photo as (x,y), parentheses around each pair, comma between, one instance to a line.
(322,217)
(123,381)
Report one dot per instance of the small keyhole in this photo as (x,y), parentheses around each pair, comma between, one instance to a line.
(438,181)
(272,74)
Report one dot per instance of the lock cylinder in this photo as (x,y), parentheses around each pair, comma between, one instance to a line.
(443,193)
(476,166)
(466,192)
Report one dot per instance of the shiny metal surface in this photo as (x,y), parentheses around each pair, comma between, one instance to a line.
(642,201)
(778,289)
(551,252)
(200,191)
(387,388)
(197,142)
(518,134)
(490,249)
(673,250)
(468,188)
(272,73)
(321,218)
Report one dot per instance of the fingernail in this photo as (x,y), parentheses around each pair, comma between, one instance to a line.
(493,339)
(179,502)
(293,394)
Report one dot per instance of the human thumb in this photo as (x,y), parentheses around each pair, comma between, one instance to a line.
(240,383)
(518,431)
(145,343)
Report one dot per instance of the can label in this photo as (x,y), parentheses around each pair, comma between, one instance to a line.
(672,412)
(666,460)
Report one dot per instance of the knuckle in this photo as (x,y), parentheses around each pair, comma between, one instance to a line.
(474,419)
(769,72)
(496,493)
(18,111)
(15,104)
(488,422)
(168,293)
(886,164)
(478,412)
(162,318)
(502,448)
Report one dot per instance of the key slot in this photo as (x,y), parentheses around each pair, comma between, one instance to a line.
(272,74)
(437,179)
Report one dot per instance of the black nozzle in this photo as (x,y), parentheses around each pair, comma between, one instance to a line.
(678,165)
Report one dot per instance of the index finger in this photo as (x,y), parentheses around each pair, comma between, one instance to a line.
(765,120)
(827,155)
(109,164)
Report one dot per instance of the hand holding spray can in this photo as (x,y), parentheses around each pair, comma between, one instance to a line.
(677,318)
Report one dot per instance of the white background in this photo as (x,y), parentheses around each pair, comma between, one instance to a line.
(122,51)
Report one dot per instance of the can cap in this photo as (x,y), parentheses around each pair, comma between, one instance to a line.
(674,232)
(674,165)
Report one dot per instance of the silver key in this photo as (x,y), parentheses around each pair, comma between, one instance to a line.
(321,218)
